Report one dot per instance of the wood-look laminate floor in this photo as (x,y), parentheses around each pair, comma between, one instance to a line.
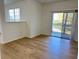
(41,47)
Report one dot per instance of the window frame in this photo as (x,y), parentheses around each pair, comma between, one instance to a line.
(14,20)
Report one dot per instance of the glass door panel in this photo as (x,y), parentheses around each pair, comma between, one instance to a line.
(68,25)
(57,24)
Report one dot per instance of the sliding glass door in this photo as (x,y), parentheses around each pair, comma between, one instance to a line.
(62,24)
(67,25)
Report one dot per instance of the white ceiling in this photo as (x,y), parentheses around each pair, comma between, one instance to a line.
(49,1)
(10,1)
(41,1)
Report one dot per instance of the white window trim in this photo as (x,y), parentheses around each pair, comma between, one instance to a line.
(15,20)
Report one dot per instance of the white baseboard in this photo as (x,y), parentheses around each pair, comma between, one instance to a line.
(10,40)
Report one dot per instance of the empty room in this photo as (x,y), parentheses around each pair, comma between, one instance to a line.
(38,29)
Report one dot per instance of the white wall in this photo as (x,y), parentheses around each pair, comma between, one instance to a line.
(75,28)
(36,18)
(30,13)
(1,19)
(49,8)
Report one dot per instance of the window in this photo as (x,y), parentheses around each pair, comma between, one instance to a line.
(14,15)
